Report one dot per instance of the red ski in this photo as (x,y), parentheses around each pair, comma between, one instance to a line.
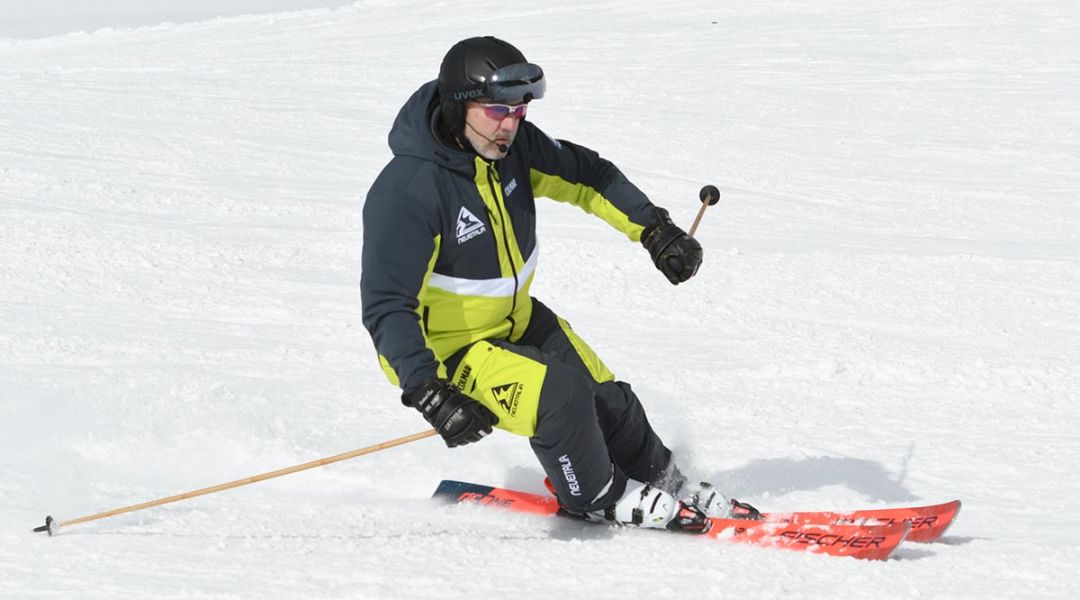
(872,542)
(928,523)
(866,541)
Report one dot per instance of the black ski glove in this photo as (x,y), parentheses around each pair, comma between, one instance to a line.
(458,418)
(675,253)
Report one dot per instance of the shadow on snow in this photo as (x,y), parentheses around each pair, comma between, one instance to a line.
(781,476)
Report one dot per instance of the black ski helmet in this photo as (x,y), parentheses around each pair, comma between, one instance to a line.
(484,68)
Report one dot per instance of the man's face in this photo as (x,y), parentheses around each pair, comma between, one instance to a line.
(489,125)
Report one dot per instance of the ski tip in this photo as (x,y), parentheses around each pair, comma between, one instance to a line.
(446,489)
(49,527)
(903,537)
(955,513)
(951,505)
(450,490)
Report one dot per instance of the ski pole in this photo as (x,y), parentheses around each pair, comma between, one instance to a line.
(51,525)
(709,195)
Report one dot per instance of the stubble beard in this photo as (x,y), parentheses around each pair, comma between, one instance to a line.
(485,148)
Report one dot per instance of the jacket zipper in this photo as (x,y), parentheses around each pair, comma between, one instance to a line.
(506,243)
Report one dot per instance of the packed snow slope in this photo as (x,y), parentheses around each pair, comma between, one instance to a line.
(888,313)
(44,18)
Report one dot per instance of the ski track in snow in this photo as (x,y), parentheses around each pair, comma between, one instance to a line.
(887,314)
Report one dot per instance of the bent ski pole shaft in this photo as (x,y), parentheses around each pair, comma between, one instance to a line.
(52,525)
(709,195)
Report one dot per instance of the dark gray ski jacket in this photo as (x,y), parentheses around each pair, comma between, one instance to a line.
(450,248)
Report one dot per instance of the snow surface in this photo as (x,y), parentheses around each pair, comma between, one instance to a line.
(44,18)
(887,314)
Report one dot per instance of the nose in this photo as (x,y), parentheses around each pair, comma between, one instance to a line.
(510,122)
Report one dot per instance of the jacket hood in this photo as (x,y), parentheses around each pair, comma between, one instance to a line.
(414,132)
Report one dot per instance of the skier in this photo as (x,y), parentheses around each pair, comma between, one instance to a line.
(449,255)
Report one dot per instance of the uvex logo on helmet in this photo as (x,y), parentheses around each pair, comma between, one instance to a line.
(463,95)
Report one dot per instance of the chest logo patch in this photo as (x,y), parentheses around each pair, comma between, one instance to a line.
(468,226)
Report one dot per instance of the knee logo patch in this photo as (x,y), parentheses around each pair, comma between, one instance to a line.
(506,382)
(508,396)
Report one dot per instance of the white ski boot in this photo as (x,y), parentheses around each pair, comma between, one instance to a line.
(641,505)
(705,503)
(645,505)
(713,504)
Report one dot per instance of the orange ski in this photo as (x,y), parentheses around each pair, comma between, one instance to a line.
(928,523)
(873,542)
(866,540)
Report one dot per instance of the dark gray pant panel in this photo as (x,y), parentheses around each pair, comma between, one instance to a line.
(630,439)
(569,443)
(633,444)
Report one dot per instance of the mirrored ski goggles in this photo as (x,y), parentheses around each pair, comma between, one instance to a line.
(523,81)
(512,83)
(498,112)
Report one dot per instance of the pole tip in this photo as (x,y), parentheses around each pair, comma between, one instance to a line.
(48,527)
(709,194)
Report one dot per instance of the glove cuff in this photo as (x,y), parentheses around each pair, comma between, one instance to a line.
(429,397)
(659,234)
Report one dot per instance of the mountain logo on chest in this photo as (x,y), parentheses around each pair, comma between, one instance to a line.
(468,226)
